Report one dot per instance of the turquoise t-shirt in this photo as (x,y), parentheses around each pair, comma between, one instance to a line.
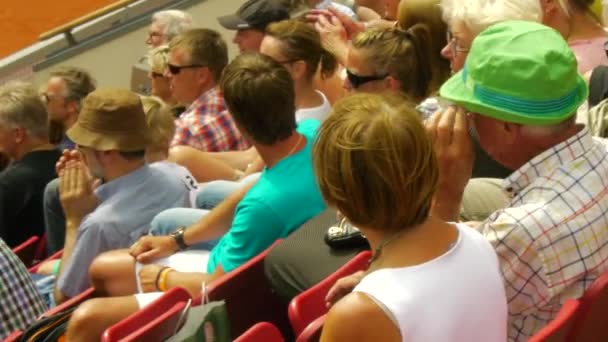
(285,196)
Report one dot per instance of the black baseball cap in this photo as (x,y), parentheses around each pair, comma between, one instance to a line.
(255,14)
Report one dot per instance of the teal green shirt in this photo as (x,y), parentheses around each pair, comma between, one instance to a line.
(285,196)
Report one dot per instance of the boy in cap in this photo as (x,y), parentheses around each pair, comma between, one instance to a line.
(521,98)
(108,192)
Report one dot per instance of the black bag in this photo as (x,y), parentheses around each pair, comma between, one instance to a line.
(48,329)
(345,235)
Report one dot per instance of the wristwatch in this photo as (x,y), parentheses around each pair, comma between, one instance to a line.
(178,236)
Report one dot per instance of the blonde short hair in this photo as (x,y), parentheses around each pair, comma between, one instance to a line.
(375,162)
(158,58)
(160,122)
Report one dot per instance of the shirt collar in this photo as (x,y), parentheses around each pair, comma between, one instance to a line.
(549,160)
(108,189)
(205,98)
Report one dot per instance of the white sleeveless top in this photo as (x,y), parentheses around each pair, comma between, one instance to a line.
(458,296)
(317,113)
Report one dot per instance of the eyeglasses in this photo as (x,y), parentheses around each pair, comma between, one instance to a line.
(175,69)
(453,42)
(356,81)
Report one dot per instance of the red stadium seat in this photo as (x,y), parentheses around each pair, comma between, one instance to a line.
(156,322)
(249,297)
(310,304)
(27,251)
(592,324)
(559,328)
(261,332)
(312,333)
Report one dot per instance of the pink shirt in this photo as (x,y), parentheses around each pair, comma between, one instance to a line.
(589,53)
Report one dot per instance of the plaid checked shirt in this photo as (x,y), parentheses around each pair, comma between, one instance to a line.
(552,239)
(208,126)
(20,304)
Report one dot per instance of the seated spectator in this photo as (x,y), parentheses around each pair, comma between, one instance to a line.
(24,139)
(158,58)
(379,61)
(583,30)
(63,94)
(99,217)
(251,220)
(250,22)
(64,90)
(166,25)
(160,127)
(557,203)
(376,165)
(20,304)
(196,60)
(296,46)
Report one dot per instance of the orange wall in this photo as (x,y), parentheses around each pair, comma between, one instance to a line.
(22,21)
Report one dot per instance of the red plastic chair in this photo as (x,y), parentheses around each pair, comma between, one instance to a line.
(593,321)
(156,322)
(310,304)
(261,332)
(34,269)
(27,251)
(249,297)
(560,327)
(312,333)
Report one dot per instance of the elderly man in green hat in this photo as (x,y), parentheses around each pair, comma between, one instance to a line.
(519,91)
(108,192)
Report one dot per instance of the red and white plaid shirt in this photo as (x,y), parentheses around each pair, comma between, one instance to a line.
(552,239)
(208,126)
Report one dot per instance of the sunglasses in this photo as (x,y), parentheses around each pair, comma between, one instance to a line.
(175,69)
(356,81)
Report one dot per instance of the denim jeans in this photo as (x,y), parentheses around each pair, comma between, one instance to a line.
(213,193)
(170,220)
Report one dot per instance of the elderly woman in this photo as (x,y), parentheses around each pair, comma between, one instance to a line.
(574,19)
(375,163)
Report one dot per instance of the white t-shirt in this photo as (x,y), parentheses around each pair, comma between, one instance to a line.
(458,296)
(318,113)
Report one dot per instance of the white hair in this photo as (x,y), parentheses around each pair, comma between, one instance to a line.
(477,15)
(21,106)
(548,130)
(173,22)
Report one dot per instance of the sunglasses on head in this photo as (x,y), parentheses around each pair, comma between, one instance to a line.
(175,69)
(356,81)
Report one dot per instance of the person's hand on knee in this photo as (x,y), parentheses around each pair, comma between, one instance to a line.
(150,248)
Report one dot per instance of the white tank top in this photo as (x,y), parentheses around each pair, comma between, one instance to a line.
(458,296)
(317,113)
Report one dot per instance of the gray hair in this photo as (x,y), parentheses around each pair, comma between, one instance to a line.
(477,15)
(21,106)
(548,130)
(78,82)
(173,22)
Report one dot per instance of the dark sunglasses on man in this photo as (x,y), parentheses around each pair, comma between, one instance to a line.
(356,81)
(175,69)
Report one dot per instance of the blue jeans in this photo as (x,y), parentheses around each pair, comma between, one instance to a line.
(213,193)
(170,220)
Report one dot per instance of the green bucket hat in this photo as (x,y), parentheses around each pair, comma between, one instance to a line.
(520,72)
